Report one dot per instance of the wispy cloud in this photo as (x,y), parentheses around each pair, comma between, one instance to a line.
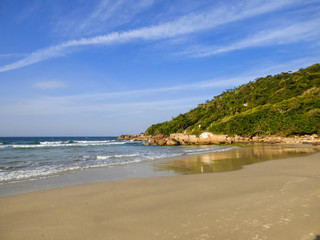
(29,10)
(306,31)
(52,106)
(49,84)
(122,10)
(104,16)
(214,83)
(189,24)
(141,100)
(197,86)
(12,55)
(268,68)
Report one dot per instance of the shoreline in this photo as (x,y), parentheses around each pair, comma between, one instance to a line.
(225,159)
(271,200)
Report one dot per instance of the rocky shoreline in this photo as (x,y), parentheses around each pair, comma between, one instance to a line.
(207,138)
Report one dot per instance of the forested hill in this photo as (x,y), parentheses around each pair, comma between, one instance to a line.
(284,104)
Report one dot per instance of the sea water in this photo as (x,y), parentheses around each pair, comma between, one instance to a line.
(32,158)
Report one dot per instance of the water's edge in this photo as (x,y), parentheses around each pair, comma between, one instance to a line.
(220,161)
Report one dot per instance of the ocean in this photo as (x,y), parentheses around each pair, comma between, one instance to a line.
(32,158)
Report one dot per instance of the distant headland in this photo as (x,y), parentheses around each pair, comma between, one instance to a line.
(280,108)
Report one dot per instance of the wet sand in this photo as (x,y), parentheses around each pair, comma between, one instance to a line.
(270,200)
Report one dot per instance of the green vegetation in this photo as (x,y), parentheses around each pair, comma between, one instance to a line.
(285,104)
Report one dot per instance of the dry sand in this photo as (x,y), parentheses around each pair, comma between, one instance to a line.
(271,200)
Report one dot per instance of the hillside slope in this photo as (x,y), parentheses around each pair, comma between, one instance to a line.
(284,104)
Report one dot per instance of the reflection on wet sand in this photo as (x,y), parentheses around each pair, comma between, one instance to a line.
(233,159)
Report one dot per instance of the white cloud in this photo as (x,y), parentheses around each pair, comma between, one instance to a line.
(49,84)
(106,15)
(53,106)
(12,55)
(137,101)
(306,31)
(185,25)
(268,68)
(196,86)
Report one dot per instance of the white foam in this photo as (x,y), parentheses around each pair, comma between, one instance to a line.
(103,157)
(128,155)
(51,143)
(161,156)
(116,156)
(34,173)
(27,146)
(133,161)
(61,144)
(94,142)
(43,172)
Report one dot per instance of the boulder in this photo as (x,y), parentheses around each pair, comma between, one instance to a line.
(218,139)
(172,142)
(193,139)
(257,139)
(180,137)
(205,135)
(205,138)
(272,139)
(156,139)
(162,141)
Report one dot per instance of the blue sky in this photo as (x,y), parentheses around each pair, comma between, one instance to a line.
(106,67)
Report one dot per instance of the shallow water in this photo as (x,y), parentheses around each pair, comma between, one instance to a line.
(31,158)
(234,159)
(109,160)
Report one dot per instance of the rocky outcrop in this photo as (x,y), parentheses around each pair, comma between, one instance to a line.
(208,138)
(140,137)
(172,142)
(158,140)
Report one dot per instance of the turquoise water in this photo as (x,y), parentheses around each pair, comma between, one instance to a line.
(31,158)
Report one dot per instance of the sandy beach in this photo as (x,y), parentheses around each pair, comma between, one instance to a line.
(270,200)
